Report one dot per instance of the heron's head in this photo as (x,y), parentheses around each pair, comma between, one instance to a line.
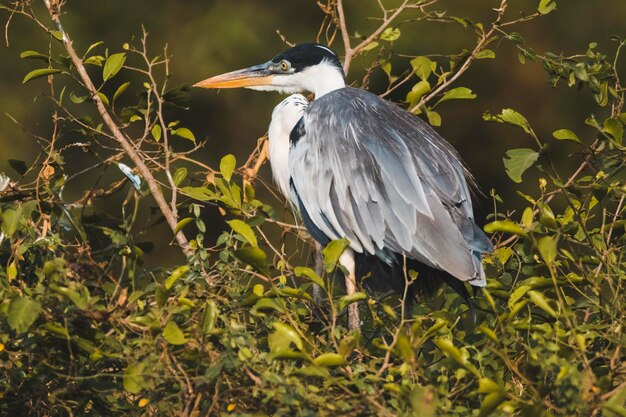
(305,67)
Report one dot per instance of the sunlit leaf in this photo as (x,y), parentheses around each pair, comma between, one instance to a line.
(180,175)
(547,249)
(302,271)
(177,274)
(42,72)
(185,133)
(198,193)
(346,300)
(390,34)
(517,161)
(505,226)
(244,230)
(133,379)
(565,134)
(173,334)
(329,359)
(209,318)
(422,66)
(540,301)
(34,55)
(113,65)
(332,252)
(546,6)
(120,90)
(156,132)
(614,128)
(417,92)
(227,166)
(510,116)
(486,54)
(457,94)
(288,333)
(434,118)
(22,313)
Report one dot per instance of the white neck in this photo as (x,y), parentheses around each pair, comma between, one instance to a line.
(318,79)
(322,78)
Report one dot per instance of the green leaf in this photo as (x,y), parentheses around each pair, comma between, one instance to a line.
(185,133)
(209,318)
(614,128)
(540,301)
(422,66)
(227,166)
(198,193)
(76,99)
(369,46)
(505,226)
(80,299)
(156,132)
(181,224)
(120,90)
(92,47)
(288,333)
(22,313)
(434,118)
(244,230)
(616,404)
(546,6)
(113,65)
(329,359)
(38,73)
(486,54)
(177,274)
(459,93)
(258,290)
(253,256)
(352,298)
(173,334)
(547,249)
(417,92)
(332,252)
(517,161)
(34,55)
(133,378)
(390,34)
(57,34)
(11,271)
(566,134)
(180,175)
(490,403)
(517,294)
(303,271)
(103,98)
(510,116)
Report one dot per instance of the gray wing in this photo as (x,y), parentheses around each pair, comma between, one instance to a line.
(369,171)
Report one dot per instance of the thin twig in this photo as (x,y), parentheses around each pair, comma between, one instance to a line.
(54,10)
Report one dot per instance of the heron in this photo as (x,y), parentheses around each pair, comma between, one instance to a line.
(361,168)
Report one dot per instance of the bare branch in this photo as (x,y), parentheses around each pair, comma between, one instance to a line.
(53,7)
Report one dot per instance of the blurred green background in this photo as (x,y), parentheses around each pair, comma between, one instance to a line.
(211,37)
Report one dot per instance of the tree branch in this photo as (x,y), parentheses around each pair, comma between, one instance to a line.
(53,7)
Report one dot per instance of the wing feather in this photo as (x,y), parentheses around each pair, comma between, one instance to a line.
(368,171)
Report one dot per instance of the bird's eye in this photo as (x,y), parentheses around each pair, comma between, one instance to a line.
(285,65)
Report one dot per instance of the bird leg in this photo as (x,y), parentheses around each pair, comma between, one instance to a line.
(347,260)
(318,258)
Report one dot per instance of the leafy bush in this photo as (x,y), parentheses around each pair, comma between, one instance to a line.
(243,327)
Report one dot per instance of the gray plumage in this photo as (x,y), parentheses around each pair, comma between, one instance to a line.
(358,167)
(364,169)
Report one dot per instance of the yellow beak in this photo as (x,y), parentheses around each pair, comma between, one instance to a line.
(258,75)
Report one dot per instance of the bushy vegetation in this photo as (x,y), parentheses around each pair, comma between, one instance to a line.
(247,326)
